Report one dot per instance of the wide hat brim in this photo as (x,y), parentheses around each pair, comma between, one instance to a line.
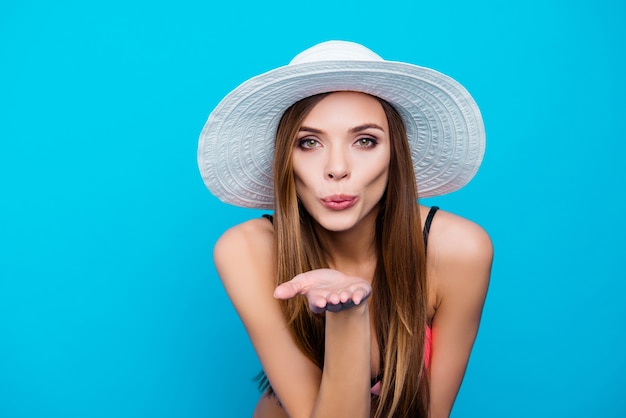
(443,123)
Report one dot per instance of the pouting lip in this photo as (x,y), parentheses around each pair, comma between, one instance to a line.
(338,198)
(339,201)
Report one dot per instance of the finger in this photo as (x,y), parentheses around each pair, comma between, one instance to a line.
(360,295)
(344,296)
(287,290)
(317,304)
(333,298)
(296,286)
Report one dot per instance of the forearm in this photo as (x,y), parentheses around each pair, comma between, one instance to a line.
(345,390)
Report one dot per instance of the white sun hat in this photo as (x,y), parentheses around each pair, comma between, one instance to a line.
(443,122)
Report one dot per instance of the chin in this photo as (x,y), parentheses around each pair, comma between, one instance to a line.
(338,221)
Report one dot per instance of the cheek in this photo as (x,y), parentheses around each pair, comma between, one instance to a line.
(296,168)
(376,171)
(306,172)
(302,181)
(380,182)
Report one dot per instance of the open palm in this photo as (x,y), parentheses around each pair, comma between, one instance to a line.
(326,290)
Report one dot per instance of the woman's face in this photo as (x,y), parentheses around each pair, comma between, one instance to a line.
(341,159)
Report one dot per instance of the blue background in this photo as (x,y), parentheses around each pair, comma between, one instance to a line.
(109,303)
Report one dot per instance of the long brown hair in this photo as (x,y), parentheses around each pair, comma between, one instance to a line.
(399,294)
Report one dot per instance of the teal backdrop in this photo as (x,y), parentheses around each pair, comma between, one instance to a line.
(109,301)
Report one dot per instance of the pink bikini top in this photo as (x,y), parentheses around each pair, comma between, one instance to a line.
(429,336)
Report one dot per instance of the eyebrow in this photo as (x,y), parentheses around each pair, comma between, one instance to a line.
(365,127)
(307,129)
(356,129)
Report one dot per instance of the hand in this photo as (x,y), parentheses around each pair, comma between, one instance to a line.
(326,289)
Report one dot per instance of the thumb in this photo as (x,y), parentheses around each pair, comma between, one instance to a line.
(288,290)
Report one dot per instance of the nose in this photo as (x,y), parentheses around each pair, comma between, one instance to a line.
(338,166)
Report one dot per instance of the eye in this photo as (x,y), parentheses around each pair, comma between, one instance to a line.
(366,142)
(308,143)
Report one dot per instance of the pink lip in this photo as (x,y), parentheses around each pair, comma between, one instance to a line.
(339,201)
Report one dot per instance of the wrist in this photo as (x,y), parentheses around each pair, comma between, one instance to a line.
(349,311)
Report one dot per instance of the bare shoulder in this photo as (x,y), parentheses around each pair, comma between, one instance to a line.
(454,237)
(251,236)
(460,254)
(243,257)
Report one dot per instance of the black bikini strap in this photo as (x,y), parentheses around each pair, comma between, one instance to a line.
(429,220)
(269,217)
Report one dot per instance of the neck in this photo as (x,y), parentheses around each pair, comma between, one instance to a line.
(353,251)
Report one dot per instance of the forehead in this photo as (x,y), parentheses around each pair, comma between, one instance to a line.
(347,107)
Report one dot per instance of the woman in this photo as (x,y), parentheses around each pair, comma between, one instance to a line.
(358,301)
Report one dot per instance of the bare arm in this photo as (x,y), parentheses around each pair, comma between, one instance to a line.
(459,258)
(243,260)
(344,389)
